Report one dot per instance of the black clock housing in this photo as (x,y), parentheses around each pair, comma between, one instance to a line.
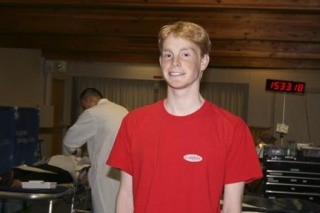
(285,86)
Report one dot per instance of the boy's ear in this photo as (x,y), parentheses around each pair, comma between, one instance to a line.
(204,62)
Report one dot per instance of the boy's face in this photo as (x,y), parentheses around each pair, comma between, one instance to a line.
(181,62)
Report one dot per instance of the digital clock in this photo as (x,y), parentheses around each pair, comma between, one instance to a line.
(285,86)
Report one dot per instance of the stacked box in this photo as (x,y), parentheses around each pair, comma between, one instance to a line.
(26,136)
(19,129)
(7,138)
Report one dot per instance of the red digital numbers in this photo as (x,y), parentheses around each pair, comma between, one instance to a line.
(285,86)
(299,88)
(288,86)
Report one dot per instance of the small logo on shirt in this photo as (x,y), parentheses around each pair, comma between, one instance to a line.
(192,158)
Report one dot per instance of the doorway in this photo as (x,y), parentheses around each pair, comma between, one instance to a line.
(58,87)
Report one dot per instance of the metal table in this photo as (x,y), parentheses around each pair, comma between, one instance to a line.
(37,194)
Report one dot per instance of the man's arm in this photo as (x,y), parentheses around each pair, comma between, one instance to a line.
(232,197)
(79,133)
(125,196)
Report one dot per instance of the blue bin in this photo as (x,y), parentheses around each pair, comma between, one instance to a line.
(7,137)
(26,136)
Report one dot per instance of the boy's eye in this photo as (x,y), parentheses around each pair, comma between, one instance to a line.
(185,55)
(166,55)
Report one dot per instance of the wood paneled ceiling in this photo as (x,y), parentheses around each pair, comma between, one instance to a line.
(245,33)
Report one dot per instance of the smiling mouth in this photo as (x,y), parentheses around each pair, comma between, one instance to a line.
(176,73)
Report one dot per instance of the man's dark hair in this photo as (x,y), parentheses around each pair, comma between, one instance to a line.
(90,92)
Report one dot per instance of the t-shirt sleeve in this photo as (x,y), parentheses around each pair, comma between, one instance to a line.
(120,156)
(242,159)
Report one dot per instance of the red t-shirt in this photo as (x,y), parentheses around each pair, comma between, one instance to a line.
(179,164)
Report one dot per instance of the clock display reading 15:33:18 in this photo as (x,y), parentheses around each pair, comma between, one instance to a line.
(285,86)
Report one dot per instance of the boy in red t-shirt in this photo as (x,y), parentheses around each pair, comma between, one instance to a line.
(181,153)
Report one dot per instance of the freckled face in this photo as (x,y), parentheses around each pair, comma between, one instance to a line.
(181,62)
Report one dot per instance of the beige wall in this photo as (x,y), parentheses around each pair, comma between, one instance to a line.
(21,80)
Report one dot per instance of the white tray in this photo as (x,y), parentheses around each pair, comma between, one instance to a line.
(38,184)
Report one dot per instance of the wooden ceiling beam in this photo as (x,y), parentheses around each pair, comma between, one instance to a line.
(218,62)
(126,31)
(222,24)
(240,4)
(147,45)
